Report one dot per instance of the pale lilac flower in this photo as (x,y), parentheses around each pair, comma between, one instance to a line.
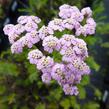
(91,22)
(25,19)
(12,38)
(22,19)
(67,53)
(78,77)
(8,29)
(19,29)
(26,41)
(85,68)
(45,31)
(45,63)
(79,31)
(79,66)
(70,90)
(73,12)
(75,64)
(51,43)
(85,30)
(66,40)
(90,30)
(46,78)
(74,9)
(70,77)
(56,24)
(77,16)
(67,89)
(75,90)
(86,12)
(34,37)
(77,25)
(79,42)
(16,47)
(80,52)
(64,6)
(67,11)
(12,30)
(69,23)
(30,26)
(34,56)
(35,19)
(58,72)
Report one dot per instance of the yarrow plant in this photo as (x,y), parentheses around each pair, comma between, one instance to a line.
(68,73)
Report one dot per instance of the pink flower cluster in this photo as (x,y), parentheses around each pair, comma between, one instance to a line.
(68,73)
(23,34)
(72,18)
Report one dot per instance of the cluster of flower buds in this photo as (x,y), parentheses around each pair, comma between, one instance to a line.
(68,73)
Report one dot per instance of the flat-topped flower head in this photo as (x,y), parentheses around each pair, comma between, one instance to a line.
(80,48)
(34,37)
(69,23)
(22,19)
(26,42)
(45,31)
(13,37)
(19,29)
(25,19)
(46,78)
(34,56)
(91,22)
(66,40)
(51,43)
(70,78)
(79,66)
(74,9)
(45,63)
(67,53)
(84,68)
(30,26)
(70,90)
(78,77)
(35,19)
(75,64)
(89,29)
(66,11)
(79,42)
(16,47)
(8,29)
(56,24)
(64,6)
(58,71)
(86,12)
(80,52)
(77,16)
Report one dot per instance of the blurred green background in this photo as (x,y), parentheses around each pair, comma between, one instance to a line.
(20,83)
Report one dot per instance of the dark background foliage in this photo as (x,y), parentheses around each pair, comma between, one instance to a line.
(20,83)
